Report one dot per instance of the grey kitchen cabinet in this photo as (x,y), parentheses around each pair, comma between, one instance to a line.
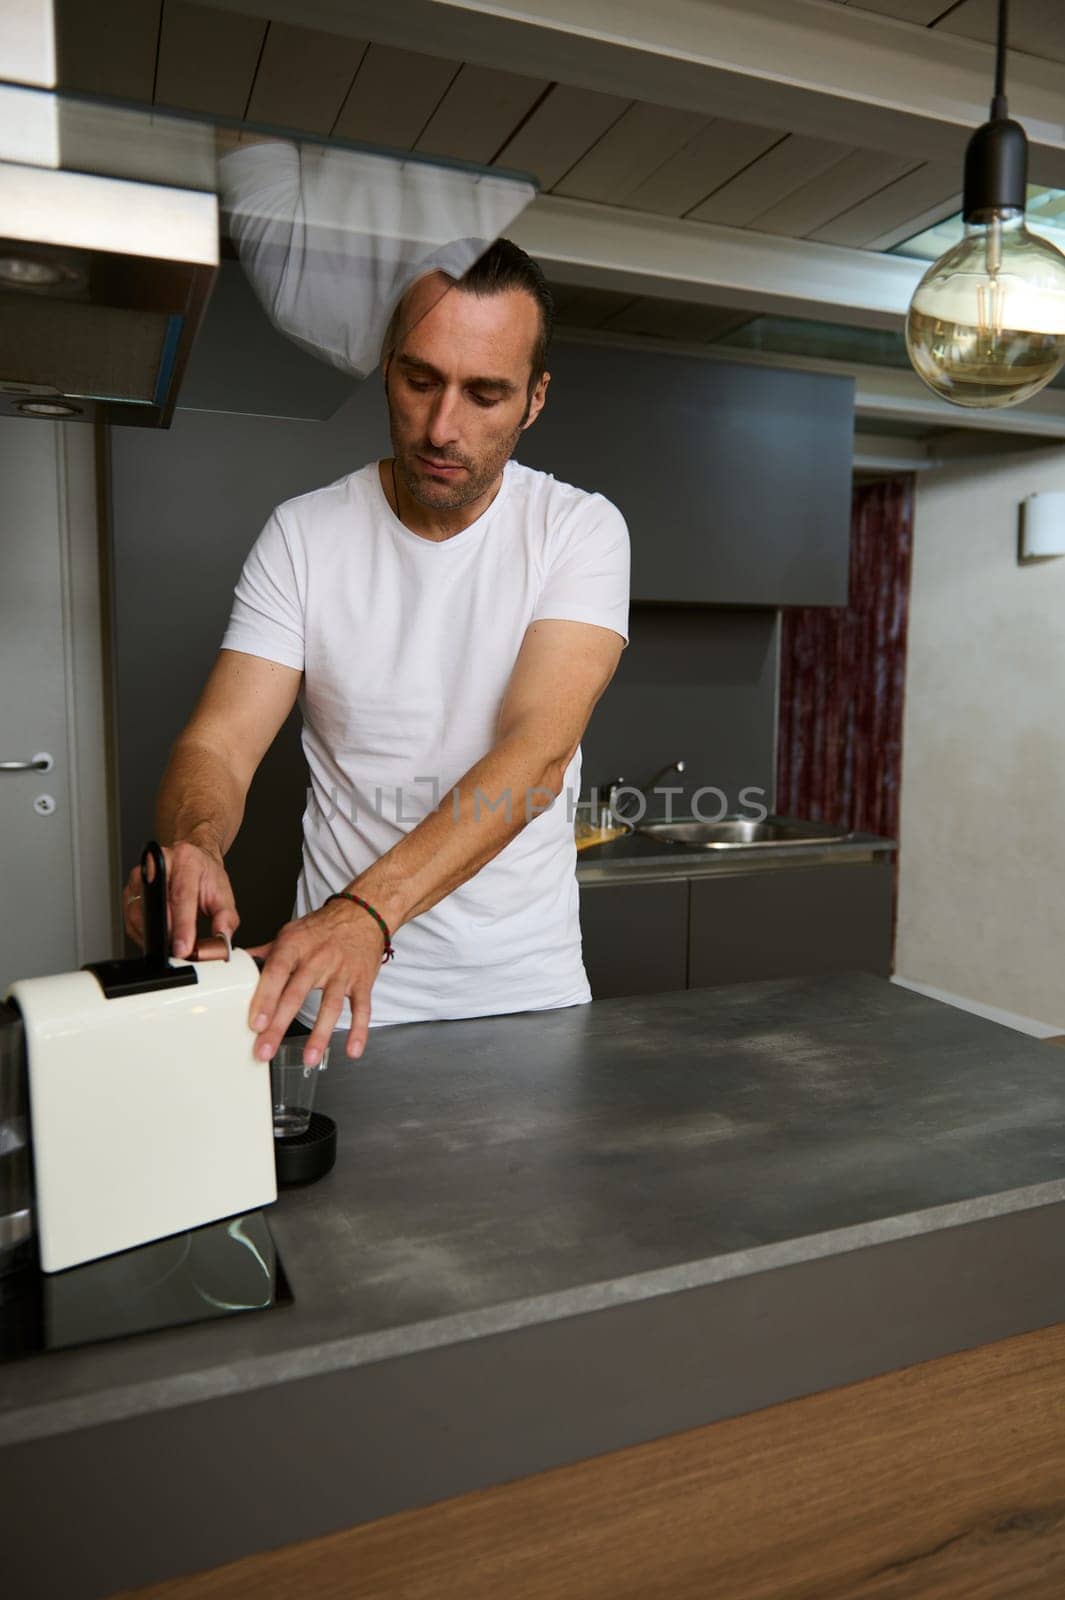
(635,937)
(736,927)
(735,480)
(791,922)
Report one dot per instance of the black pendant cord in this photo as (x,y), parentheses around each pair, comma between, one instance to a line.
(996,157)
(999,107)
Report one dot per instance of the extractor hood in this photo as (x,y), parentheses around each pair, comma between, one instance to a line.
(108,241)
(108,251)
(102,286)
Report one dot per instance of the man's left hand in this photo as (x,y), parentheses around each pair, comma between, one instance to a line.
(338,949)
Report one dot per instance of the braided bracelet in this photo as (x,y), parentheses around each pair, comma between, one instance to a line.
(344,894)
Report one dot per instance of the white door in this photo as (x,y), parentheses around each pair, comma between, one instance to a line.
(55,895)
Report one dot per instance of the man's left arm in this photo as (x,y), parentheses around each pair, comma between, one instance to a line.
(561,671)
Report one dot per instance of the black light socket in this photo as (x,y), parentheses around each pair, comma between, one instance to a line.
(996,170)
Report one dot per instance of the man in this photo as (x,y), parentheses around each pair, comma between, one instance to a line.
(449,619)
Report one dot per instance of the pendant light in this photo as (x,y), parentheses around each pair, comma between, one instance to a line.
(986,325)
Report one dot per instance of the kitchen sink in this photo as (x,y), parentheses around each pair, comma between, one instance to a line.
(741,833)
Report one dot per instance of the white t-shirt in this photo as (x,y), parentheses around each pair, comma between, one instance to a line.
(407,646)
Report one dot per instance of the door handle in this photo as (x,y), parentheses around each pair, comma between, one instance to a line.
(42,762)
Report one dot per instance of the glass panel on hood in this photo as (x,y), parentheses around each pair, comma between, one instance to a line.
(331,239)
(115,220)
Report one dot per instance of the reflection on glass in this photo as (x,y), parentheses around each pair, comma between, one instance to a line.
(829,341)
(214,1271)
(331,239)
(109,245)
(1044,216)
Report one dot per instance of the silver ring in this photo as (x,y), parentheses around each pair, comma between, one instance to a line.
(133,897)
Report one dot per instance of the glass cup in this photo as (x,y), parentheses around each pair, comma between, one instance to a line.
(292,1086)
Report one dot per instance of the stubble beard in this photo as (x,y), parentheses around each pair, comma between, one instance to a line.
(478,478)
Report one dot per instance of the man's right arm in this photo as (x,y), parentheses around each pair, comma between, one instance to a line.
(200,804)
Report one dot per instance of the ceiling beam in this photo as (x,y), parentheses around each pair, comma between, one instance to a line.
(893,393)
(965,444)
(594,246)
(805,66)
(880,453)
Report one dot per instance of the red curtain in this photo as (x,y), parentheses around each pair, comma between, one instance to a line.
(842,677)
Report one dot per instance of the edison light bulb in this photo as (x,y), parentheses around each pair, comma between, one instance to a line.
(986,325)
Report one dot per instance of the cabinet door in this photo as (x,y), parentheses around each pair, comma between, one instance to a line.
(791,922)
(635,937)
(735,481)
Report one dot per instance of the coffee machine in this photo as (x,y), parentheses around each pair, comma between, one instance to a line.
(132,1106)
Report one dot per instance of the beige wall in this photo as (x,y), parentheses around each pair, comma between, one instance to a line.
(982,832)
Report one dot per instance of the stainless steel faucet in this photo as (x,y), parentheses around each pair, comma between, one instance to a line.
(643,789)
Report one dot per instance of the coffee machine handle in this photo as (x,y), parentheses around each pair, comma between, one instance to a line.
(156,942)
(140,974)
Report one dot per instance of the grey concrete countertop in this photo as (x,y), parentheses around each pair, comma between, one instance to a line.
(552,1234)
(635,857)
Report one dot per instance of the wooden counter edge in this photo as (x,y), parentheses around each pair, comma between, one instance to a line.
(943,1481)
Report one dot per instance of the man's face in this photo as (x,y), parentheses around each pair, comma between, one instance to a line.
(458,389)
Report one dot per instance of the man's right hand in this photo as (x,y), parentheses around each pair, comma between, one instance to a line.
(196,881)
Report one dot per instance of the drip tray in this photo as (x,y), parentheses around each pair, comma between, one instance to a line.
(220,1270)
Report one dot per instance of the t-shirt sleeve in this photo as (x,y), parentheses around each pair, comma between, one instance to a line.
(587,579)
(267,618)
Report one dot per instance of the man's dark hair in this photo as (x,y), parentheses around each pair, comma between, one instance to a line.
(504,266)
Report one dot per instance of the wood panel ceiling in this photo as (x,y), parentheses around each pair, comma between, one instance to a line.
(1037,27)
(578,143)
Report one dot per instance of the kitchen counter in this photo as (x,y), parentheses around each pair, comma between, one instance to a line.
(637,858)
(552,1235)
